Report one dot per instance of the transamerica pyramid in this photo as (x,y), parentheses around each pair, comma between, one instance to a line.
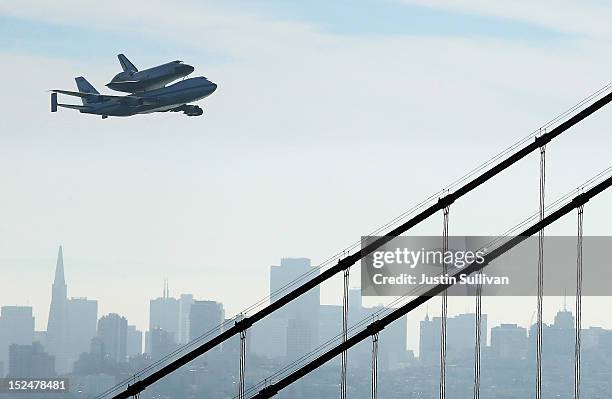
(56,339)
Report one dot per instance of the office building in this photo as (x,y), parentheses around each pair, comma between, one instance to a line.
(112,332)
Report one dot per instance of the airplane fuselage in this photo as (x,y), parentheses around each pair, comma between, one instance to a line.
(156,100)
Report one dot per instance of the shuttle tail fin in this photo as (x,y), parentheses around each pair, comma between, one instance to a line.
(85,87)
(126,64)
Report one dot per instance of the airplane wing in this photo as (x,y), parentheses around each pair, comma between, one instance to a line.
(132,100)
(86,95)
(71,106)
(123,85)
(121,82)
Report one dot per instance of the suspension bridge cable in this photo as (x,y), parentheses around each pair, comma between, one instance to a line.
(418,290)
(378,325)
(421,289)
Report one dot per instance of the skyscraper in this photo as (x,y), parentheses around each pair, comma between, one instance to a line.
(204,317)
(299,338)
(16,327)
(461,335)
(564,319)
(356,310)
(57,325)
(81,322)
(162,343)
(40,337)
(559,338)
(30,361)
(304,309)
(134,342)
(562,335)
(164,314)
(330,322)
(269,339)
(509,341)
(112,331)
(185,302)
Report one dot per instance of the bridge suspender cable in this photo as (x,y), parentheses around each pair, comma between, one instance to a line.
(477,334)
(374,365)
(350,260)
(578,304)
(243,335)
(376,326)
(345,309)
(443,319)
(539,342)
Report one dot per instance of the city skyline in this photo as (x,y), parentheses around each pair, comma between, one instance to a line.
(96,359)
(142,319)
(159,307)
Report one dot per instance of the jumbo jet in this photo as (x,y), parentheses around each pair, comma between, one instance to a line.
(175,98)
(131,80)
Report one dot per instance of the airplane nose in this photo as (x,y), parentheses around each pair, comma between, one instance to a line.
(188,69)
(214,87)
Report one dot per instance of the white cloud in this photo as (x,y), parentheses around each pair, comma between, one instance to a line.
(198,23)
(582,17)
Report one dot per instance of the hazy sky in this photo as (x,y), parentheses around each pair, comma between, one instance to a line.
(331,118)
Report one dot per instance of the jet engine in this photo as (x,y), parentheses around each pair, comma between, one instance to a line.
(189,110)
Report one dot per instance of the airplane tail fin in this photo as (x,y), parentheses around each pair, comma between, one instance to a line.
(126,64)
(85,87)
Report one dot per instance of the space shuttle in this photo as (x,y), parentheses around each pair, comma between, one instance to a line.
(131,80)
